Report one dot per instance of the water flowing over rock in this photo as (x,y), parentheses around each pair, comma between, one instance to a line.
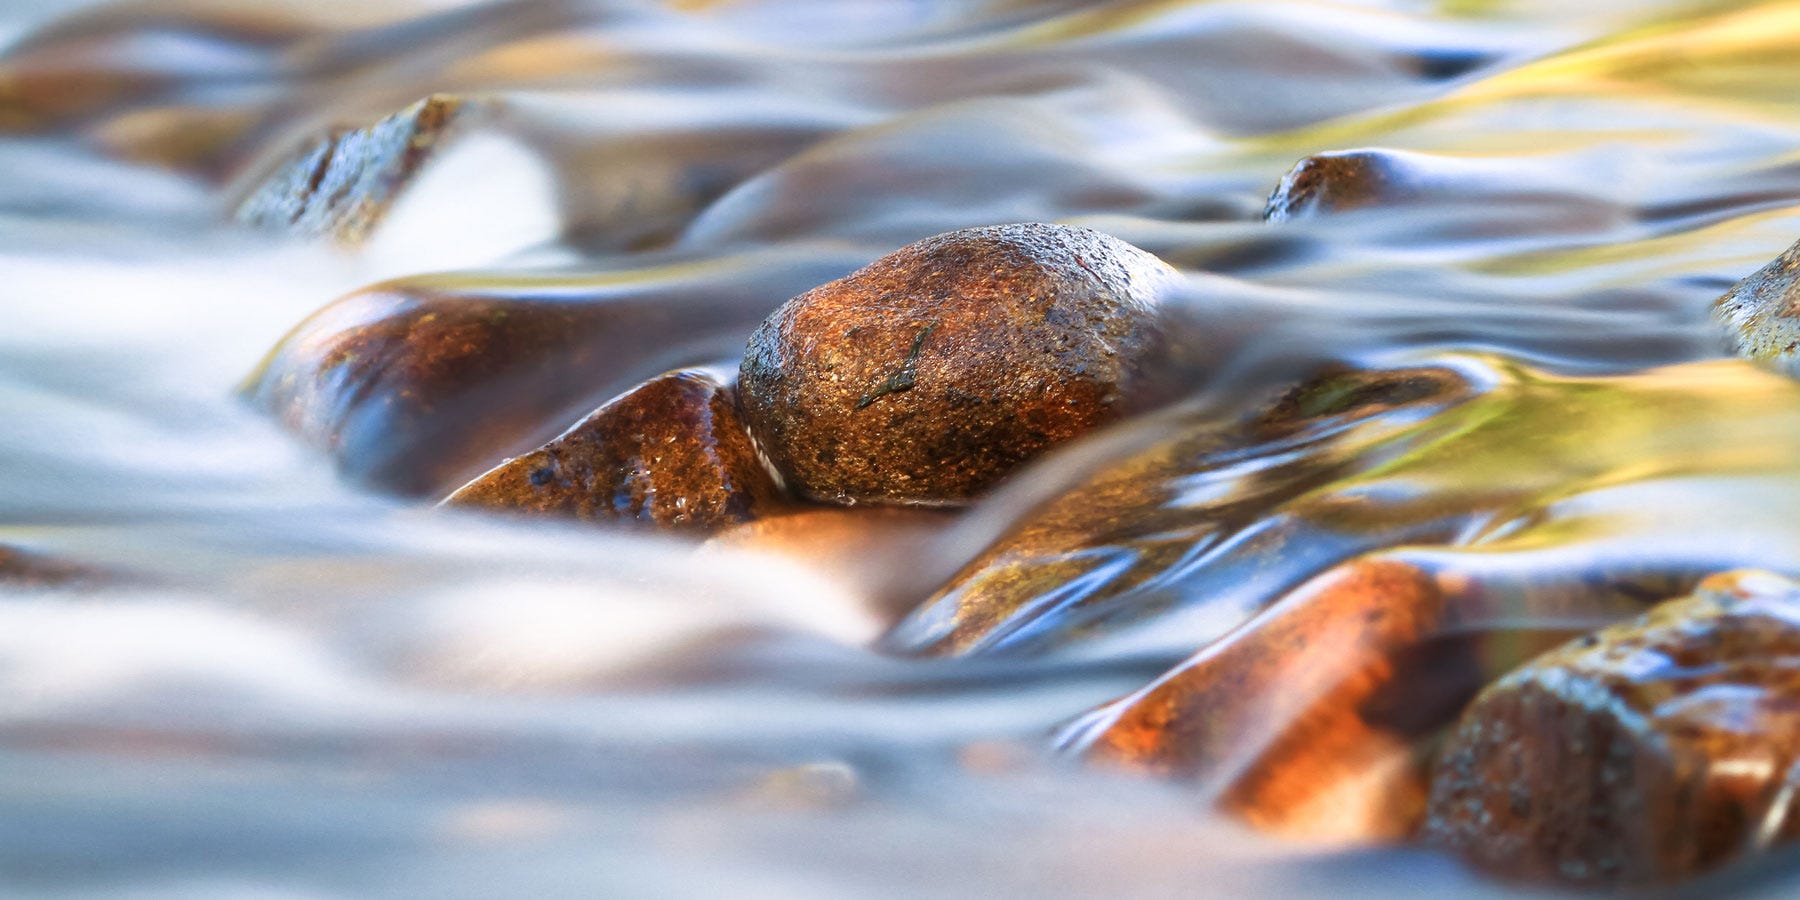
(20,569)
(416,386)
(669,453)
(1761,314)
(1646,753)
(342,185)
(1192,534)
(936,370)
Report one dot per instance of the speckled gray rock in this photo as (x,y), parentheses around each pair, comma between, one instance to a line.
(1761,314)
(343,184)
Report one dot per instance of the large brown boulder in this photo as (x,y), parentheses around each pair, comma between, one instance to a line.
(933,372)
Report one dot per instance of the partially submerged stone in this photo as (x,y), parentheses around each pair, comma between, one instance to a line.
(416,386)
(669,453)
(1761,314)
(1643,754)
(882,552)
(936,370)
(1335,182)
(341,184)
(1313,719)
(1274,717)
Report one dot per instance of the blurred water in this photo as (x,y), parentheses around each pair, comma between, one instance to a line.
(297,686)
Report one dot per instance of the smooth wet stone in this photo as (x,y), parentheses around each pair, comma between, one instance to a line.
(1273,716)
(343,183)
(418,385)
(1760,315)
(1519,197)
(1643,754)
(670,453)
(1336,182)
(933,372)
(1313,720)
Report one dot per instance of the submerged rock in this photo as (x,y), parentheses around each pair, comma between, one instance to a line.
(933,372)
(1761,314)
(1113,547)
(1276,716)
(670,453)
(1314,719)
(1642,754)
(1209,517)
(416,386)
(343,183)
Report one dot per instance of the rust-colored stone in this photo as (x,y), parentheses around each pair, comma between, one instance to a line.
(418,385)
(343,183)
(933,372)
(1275,718)
(1642,754)
(670,453)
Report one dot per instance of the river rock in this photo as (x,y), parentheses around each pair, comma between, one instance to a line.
(1276,719)
(342,183)
(670,453)
(1335,182)
(1761,314)
(1642,754)
(418,385)
(936,370)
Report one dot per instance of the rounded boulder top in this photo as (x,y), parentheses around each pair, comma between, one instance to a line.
(933,372)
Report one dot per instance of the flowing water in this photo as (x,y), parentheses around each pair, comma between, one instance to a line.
(292,678)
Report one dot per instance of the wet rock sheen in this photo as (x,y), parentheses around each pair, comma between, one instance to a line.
(669,453)
(933,372)
(1645,753)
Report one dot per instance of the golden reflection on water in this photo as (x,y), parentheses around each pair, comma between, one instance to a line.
(1585,182)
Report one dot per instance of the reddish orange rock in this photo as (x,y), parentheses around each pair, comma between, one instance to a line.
(1277,718)
(1643,754)
(670,453)
(418,385)
(933,372)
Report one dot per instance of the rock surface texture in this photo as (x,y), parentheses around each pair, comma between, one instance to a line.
(1645,753)
(1761,314)
(669,453)
(936,370)
(342,184)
